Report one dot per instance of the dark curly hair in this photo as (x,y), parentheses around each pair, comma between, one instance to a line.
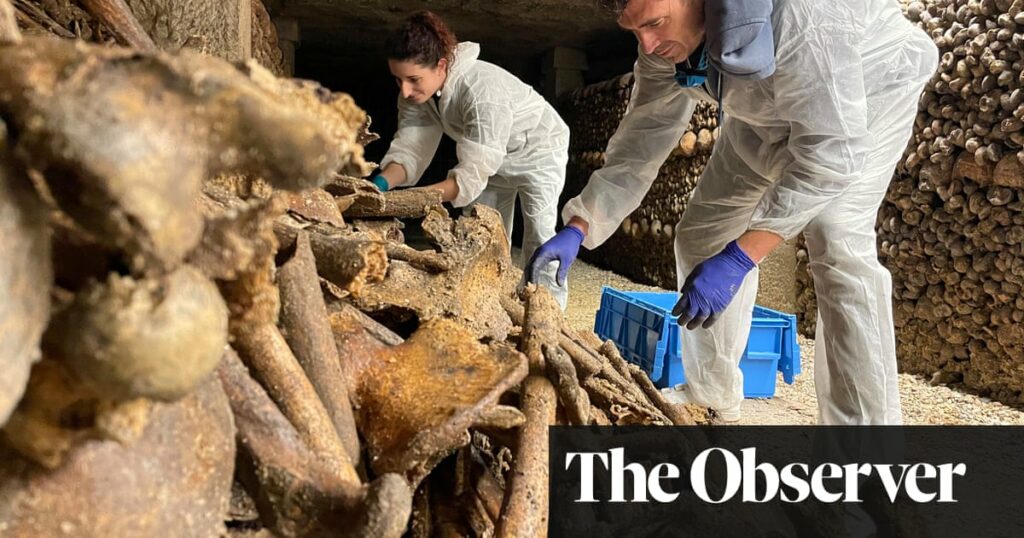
(614,6)
(423,39)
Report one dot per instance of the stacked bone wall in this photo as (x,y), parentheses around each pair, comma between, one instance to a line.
(265,47)
(642,247)
(952,225)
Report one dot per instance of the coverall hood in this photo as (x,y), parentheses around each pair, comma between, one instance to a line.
(740,41)
(466,54)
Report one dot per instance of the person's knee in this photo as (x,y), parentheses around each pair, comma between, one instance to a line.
(829,239)
(688,240)
(695,242)
(835,254)
(686,250)
(536,233)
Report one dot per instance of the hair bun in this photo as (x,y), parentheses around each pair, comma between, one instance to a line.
(424,39)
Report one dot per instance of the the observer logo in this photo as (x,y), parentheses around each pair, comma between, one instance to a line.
(759,482)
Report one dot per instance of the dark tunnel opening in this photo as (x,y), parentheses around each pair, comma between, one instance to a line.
(347,54)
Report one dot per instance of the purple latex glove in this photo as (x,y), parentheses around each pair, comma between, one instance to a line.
(563,247)
(711,287)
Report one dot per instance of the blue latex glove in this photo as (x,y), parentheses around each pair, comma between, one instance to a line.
(563,247)
(711,287)
(381,183)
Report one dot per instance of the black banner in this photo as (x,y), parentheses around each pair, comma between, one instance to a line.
(787,481)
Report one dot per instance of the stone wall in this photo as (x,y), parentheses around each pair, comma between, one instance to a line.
(221,28)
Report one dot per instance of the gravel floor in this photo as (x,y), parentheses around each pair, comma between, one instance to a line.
(796,403)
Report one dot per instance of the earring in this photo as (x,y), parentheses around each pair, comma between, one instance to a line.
(438,93)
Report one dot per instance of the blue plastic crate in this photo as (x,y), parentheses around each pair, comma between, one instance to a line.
(642,326)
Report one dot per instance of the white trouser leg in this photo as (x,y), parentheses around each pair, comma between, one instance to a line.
(855,372)
(503,199)
(855,347)
(539,218)
(718,212)
(539,186)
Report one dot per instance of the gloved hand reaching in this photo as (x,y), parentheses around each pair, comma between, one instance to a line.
(381,183)
(711,286)
(563,247)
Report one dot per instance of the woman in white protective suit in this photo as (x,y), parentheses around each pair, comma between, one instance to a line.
(509,140)
(819,101)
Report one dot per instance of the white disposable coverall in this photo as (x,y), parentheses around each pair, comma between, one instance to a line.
(509,141)
(811,147)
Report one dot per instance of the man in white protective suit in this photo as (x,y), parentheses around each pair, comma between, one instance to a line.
(510,142)
(819,100)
